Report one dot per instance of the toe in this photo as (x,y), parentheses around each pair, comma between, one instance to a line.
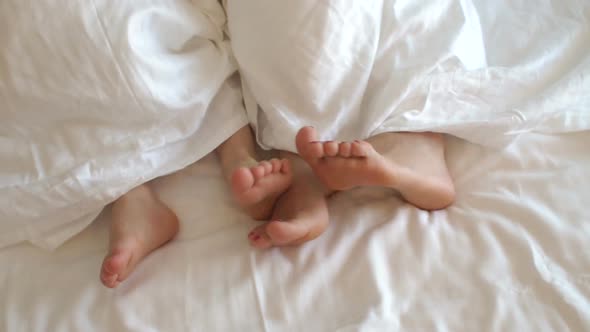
(278,233)
(127,264)
(285,166)
(306,135)
(108,279)
(109,282)
(307,145)
(267,167)
(242,179)
(114,264)
(358,149)
(276,165)
(316,150)
(331,149)
(259,239)
(284,233)
(258,172)
(344,149)
(112,268)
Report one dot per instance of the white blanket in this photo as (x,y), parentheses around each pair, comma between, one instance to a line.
(99,96)
(481,70)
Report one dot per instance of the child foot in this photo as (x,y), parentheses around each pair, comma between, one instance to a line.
(342,166)
(411,163)
(299,215)
(141,223)
(257,188)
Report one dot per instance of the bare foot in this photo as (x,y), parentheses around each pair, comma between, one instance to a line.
(412,163)
(300,214)
(257,188)
(140,224)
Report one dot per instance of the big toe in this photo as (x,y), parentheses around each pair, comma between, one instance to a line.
(307,144)
(242,179)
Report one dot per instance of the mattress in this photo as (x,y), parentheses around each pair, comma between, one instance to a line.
(512,254)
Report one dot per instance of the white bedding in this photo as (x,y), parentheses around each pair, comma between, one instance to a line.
(510,255)
(97,97)
(114,94)
(477,69)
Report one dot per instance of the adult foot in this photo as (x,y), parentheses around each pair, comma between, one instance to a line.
(140,224)
(412,163)
(257,188)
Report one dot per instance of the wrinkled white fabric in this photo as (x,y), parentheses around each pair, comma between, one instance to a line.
(481,70)
(97,97)
(510,255)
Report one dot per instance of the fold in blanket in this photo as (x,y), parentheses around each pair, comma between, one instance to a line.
(101,96)
(484,71)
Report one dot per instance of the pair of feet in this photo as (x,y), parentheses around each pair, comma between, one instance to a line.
(411,163)
(290,193)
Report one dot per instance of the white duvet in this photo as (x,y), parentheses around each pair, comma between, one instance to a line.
(99,96)
(481,70)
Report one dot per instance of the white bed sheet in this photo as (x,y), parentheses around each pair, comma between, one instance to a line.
(511,255)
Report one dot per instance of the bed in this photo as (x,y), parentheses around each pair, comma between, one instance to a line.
(510,255)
